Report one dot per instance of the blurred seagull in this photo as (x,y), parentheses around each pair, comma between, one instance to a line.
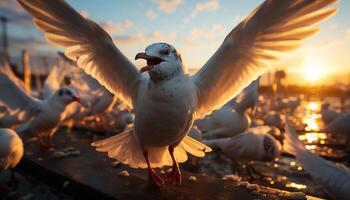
(340,124)
(226,122)
(11,150)
(335,179)
(99,98)
(168,101)
(45,115)
(253,145)
(327,114)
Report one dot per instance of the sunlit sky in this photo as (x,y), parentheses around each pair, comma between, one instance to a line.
(196,29)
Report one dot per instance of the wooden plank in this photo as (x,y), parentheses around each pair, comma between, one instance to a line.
(92,175)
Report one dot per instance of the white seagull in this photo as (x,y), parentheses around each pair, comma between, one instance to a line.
(44,115)
(11,151)
(168,101)
(253,145)
(335,179)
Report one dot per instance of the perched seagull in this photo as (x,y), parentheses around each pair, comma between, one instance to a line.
(283,104)
(339,125)
(44,115)
(98,97)
(168,101)
(253,145)
(118,119)
(273,118)
(226,122)
(327,114)
(248,98)
(335,179)
(11,150)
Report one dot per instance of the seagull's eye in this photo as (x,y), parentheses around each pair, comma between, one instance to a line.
(60,93)
(69,93)
(166,52)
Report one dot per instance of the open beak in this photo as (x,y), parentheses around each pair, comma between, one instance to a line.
(77,99)
(151,61)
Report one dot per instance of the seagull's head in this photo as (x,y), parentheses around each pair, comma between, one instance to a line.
(66,95)
(163,61)
(272,148)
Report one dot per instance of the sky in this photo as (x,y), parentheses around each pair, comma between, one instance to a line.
(196,29)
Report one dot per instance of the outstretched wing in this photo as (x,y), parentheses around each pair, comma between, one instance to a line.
(273,28)
(53,81)
(6,69)
(87,44)
(15,97)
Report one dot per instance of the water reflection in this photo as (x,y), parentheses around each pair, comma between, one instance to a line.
(296,186)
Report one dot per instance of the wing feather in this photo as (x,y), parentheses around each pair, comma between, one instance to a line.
(15,97)
(87,44)
(271,29)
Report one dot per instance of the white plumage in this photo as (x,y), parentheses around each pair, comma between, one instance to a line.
(167,103)
(11,149)
(335,179)
(340,124)
(253,145)
(42,116)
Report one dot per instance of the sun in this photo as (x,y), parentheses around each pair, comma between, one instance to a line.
(313,70)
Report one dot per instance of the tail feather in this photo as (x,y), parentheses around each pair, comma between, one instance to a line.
(125,148)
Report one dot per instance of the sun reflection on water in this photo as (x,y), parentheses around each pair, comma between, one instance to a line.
(296,185)
(313,137)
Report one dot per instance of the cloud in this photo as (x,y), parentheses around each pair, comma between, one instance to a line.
(168,6)
(199,33)
(151,15)
(113,28)
(209,5)
(145,39)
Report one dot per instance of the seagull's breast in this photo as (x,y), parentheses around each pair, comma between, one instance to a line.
(164,112)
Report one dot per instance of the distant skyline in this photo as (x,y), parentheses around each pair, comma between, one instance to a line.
(195,28)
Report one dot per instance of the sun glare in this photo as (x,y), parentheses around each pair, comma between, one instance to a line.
(314,70)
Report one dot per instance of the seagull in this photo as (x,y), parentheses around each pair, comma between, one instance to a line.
(226,122)
(168,100)
(335,179)
(255,144)
(339,125)
(44,115)
(98,97)
(273,118)
(327,114)
(285,104)
(11,150)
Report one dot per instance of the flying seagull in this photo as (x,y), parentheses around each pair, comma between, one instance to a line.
(168,101)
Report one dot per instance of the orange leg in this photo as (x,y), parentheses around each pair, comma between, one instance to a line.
(175,174)
(153,177)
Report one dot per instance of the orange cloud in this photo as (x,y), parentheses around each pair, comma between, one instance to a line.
(209,5)
(168,6)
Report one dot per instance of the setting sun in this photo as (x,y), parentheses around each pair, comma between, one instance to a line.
(314,69)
